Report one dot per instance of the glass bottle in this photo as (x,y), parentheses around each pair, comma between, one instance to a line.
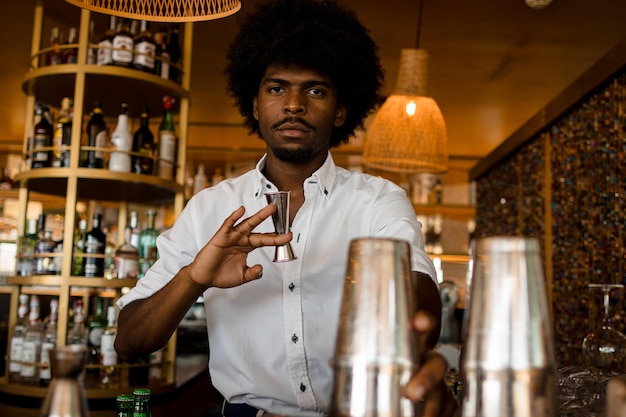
(31,350)
(6,182)
(105,44)
(78,333)
(145,49)
(17,339)
(109,374)
(78,267)
(62,135)
(126,257)
(92,53)
(167,141)
(96,324)
(174,51)
(147,244)
(125,405)
(42,138)
(30,137)
(123,45)
(48,343)
(70,54)
(133,222)
(162,63)
(55,56)
(96,137)
(142,402)
(122,141)
(95,245)
(44,248)
(26,250)
(143,143)
(199,180)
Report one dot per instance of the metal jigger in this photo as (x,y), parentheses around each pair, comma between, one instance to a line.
(508,366)
(376,351)
(66,396)
(280,199)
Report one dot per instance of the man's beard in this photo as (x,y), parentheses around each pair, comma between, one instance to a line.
(295,156)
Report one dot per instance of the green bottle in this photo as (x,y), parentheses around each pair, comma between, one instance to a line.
(142,402)
(125,405)
(147,244)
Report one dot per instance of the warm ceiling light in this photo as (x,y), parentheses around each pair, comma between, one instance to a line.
(408,133)
(163,10)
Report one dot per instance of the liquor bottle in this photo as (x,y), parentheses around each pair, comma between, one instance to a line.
(199,180)
(122,141)
(133,222)
(162,63)
(42,139)
(96,137)
(6,182)
(78,333)
(143,143)
(105,44)
(174,51)
(95,328)
(17,339)
(123,45)
(48,343)
(70,54)
(26,250)
(147,244)
(32,344)
(109,374)
(79,248)
(142,402)
(92,53)
(44,249)
(62,135)
(145,49)
(125,405)
(95,245)
(30,137)
(55,56)
(126,258)
(167,141)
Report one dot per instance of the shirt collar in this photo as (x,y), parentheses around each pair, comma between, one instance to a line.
(324,177)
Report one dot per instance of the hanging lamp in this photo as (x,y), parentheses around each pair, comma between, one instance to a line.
(163,10)
(408,133)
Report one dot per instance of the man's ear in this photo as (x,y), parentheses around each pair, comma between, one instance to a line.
(340,117)
(255,111)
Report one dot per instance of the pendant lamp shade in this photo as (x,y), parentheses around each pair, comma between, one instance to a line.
(163,10)
(408,133)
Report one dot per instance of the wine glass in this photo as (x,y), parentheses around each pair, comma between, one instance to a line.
(604,348)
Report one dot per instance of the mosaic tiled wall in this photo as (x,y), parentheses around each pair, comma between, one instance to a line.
(587,149)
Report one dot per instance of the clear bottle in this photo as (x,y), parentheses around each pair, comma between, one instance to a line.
(95,245)
(62,135)
(125,405)
(142,402)
(133,222)
(78,268)
(143,143)
(31,350)
(44,250)
(174,51)
(145,49)
(162,63)
(109,374)
(70,54)
(96,324)
(78,333)
(147,244)
(48,343)
(167,141)
(105,44)
(42,139)
(96,137)
(123,45)
(26,250)
(55,56)
(17,339)
(126,258)
(199,180)
(92,53)
(122,141)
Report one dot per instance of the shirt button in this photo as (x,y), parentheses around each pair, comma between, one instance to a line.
(291,287)
(268,186)
(302,387)
(294,338)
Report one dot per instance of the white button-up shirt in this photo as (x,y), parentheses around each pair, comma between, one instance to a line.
(271,340)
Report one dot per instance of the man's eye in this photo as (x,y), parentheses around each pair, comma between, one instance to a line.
(316,92)
(275,89)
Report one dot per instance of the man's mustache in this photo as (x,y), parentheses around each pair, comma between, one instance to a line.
(293,120)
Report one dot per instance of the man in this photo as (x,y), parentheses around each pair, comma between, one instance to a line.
(304,74)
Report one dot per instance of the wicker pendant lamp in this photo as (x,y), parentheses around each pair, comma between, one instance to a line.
(163,10)
(408,133)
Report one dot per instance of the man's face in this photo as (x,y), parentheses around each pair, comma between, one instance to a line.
(297,110)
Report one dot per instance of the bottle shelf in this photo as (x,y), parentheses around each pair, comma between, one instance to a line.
(111,85)
(100,184)
(450,211)
(50,281)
